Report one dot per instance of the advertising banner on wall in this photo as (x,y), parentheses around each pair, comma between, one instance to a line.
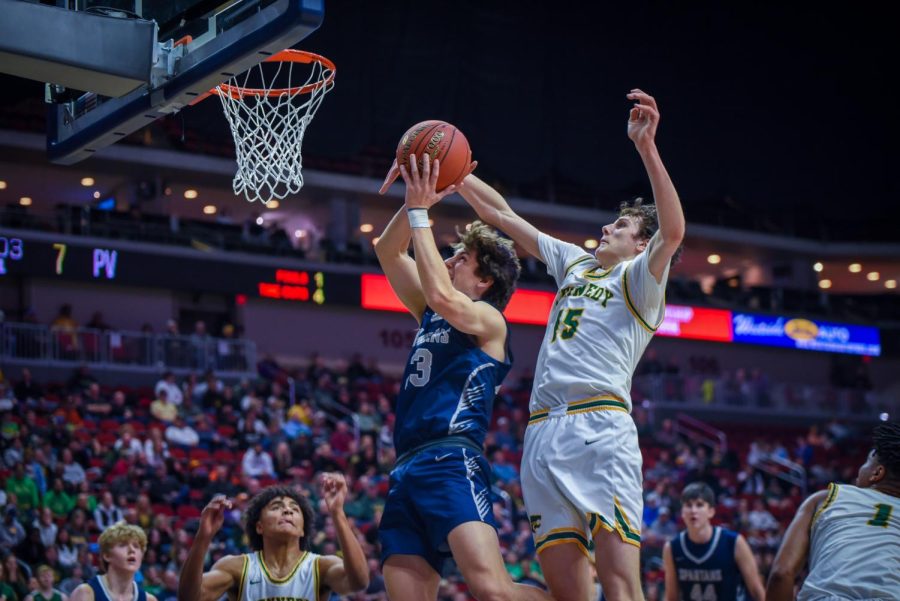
(806,334)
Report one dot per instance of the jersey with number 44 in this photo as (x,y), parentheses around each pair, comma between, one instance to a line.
(599,326)
(448,387)
(854,550)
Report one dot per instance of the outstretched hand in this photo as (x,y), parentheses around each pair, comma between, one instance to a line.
(213,516)
(394,172)
(334,491)
(420,188)
(643,119)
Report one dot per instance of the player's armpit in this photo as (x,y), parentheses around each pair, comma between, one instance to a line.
(333,576)
(793,552)
(478,319)
(222,577)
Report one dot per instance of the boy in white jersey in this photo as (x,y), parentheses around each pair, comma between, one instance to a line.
(850,534)
(581,469)
(278,524)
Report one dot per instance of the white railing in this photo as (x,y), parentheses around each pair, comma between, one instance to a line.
(32,343)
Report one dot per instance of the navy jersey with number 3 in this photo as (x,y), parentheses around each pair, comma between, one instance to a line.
(448,386)
(708,572)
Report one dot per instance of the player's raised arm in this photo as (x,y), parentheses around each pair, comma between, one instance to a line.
(493,209)
(793,552)
(393,256)
(643,121)
(478,319)
(224,574)
(350,574)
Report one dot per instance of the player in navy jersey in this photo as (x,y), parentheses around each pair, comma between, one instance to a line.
(122,548)
(439,501)
(706,562)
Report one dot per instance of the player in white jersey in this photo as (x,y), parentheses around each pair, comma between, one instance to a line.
(278,524)
(850,534)
(581,469)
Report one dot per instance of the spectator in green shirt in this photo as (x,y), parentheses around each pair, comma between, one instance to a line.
(24,488)
(58,500)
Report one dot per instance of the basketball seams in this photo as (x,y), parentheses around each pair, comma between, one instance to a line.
(430,138)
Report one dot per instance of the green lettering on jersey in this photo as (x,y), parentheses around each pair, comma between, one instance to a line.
(882,515)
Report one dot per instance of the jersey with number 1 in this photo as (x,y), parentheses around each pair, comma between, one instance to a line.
(600,323)
(448,386)
(854,550)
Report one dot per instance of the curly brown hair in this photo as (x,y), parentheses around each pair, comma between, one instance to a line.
(255,508)
(647,220)
(496,257)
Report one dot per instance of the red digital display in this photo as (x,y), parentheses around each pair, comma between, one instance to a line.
(533,307)
(294,285)
(696,323)
(525,306)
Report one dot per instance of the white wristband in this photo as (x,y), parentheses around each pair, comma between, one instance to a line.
(418,217)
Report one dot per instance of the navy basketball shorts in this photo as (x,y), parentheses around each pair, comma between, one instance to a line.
(431,494)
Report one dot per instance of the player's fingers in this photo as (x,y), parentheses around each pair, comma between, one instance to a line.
(649,111)
(390,178)
(435,172)
(426,167)
(472,166)
(413,167)
(404,173)
(634,115)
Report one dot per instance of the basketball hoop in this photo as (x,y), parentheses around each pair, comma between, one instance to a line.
(268,123)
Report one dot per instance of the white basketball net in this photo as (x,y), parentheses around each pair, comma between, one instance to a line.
(268,130)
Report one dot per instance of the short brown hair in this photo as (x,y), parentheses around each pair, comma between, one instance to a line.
(255,508)
(647,221)
(496,257)
(118,533)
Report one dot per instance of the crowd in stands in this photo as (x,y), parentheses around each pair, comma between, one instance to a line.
(81,455)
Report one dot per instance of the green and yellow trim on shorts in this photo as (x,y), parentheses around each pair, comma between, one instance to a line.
(564,536)
(833,490)
(602,402)
(633,308)
(621,525)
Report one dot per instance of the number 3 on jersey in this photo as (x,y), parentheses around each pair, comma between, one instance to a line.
(567,325)
(421,361)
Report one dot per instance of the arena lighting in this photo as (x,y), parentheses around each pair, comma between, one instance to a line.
(890,284)
(25,201)
(191,194)
(713,259)
(260,221)
(2,185)
(209,210)
(273,204)
(591,243)
(884,417)
(96,193)
(854,267)
(873,276)
(818,267)
(87,182)
(824,284)
(366,228)
(375,240)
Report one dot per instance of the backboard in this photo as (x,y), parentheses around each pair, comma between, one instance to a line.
(144,59)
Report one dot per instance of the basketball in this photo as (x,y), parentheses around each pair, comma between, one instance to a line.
(441,141)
